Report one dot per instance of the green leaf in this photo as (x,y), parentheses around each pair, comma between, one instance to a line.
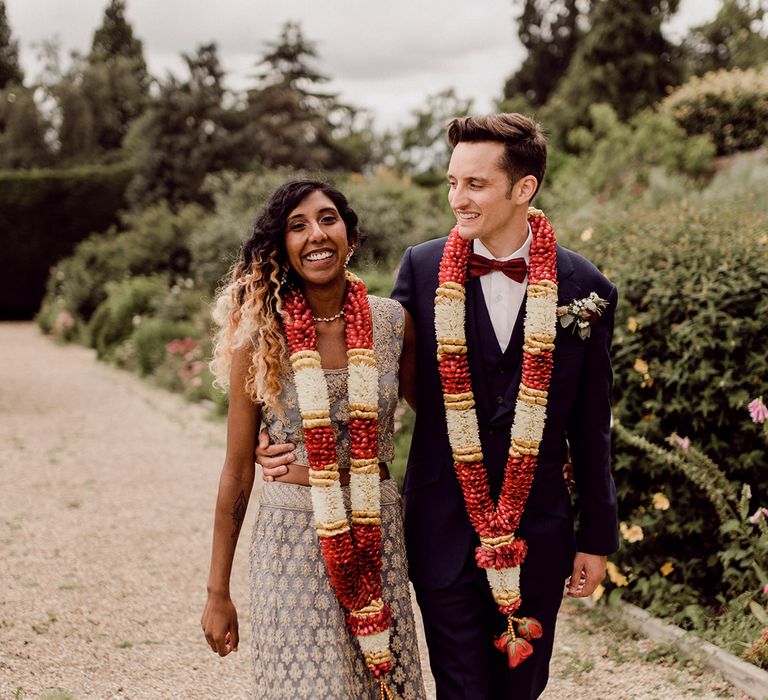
(760,572)
(730,526)
(614,597)
(746,495)
(759,612)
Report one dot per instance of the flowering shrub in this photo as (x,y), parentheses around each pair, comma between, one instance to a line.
(743,553)
(54,320)
(151,338)
(730,106)
(688,351)
(759,413)
(758,651)
(189,353)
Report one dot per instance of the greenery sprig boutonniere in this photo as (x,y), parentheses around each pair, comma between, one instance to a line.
(582,314)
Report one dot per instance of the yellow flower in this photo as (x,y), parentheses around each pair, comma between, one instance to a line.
(631,534)
(586,234)
(615,575)
(632,324)
(667,568)
(641,366)
(598,592)
(660,501)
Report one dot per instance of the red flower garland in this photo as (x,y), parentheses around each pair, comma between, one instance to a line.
(353,557)
(502,520)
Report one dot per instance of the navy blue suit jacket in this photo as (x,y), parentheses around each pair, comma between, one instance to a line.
(438,534)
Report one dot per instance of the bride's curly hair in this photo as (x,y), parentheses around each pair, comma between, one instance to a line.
(248,309)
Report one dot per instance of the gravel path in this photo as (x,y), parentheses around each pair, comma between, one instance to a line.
(107,488)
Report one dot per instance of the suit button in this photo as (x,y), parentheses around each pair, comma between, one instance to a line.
(499,399)
(490,431)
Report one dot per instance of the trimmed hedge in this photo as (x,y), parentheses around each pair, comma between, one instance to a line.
(43,214)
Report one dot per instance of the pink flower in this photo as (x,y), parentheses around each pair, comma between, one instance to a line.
(182,346)
(682,443)
(759,513)
(765,589)
(65,319)
(758,410)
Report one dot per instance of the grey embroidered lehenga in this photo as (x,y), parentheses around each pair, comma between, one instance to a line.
(300,643)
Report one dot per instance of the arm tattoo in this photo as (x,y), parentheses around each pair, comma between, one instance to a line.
(238,514)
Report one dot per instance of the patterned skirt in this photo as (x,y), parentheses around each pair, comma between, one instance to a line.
(300,642)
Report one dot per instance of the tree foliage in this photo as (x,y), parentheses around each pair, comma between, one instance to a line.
(623,60)
(735,38)
(115,37)
(551,32)
(99,95)
(291,121)
(185,134)
(420,148)
(114,79)
(10,70)
(22,130)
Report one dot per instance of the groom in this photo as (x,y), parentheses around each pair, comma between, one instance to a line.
(496,167)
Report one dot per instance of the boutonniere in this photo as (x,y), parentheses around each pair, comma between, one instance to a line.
(582,314)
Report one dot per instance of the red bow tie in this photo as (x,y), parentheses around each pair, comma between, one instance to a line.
(515,269)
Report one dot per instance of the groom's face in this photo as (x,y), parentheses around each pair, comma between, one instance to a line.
(479,190)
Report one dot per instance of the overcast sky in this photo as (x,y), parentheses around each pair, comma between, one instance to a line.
(386,55)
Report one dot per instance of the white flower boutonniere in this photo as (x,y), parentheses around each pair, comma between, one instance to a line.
(582,314)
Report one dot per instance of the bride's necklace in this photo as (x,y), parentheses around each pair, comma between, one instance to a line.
(328,319)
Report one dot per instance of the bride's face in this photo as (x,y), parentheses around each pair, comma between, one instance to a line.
(316,240)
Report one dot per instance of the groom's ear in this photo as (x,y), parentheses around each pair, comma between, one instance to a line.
(524,189)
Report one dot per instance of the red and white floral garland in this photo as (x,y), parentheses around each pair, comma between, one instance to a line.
(352,554)
(500,553)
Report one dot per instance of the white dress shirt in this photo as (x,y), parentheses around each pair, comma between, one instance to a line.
(503,296)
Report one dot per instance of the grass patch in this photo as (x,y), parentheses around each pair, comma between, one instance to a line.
(577,667)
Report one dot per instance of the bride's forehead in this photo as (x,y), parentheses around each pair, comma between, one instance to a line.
(312,203)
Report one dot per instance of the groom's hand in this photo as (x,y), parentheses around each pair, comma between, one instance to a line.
(588,571)
(274,459)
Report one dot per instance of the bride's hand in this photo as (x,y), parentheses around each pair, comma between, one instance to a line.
(274,459)
(219,622)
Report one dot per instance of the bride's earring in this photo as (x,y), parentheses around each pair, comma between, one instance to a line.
(349,256)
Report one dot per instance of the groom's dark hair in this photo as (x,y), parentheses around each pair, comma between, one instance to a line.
(525,147)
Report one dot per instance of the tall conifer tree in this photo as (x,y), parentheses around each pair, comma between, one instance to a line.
(10,69)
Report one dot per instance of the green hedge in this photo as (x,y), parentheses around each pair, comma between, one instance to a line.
(43,214)
(689,353)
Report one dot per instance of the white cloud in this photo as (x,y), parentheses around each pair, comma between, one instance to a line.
(387,56)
